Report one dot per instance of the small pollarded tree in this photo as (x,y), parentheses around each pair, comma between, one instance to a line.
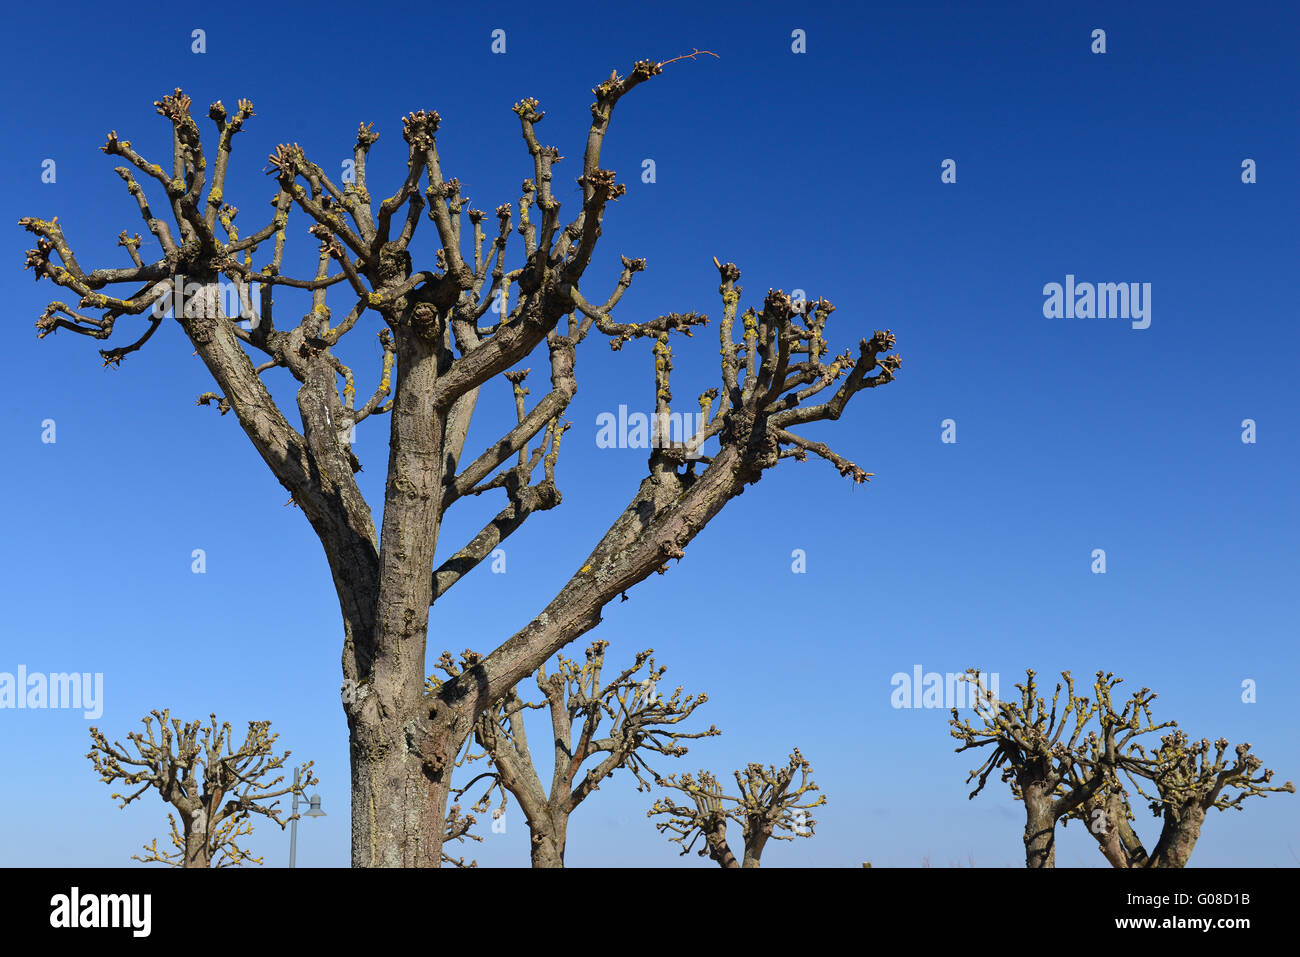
(1081,777)
(1189,779)
(615,722)
(1052,773)
(214,786)
(767,802)
(777,374)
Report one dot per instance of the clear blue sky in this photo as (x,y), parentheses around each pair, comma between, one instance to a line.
(818,171)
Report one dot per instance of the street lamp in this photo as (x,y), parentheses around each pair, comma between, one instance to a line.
(313,810)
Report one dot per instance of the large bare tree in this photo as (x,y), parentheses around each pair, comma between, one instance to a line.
(214,786)
(442,342)
(612,722)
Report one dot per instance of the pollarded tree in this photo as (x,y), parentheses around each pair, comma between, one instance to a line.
(214,786)
(1189,779)
(1055,776)
(617,722)
(438,352)
(1082,777)
(767,802)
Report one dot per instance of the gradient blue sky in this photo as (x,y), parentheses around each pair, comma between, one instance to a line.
(818,171)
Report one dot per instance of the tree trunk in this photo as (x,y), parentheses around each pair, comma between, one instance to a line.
(1040,828)
(1112,846)
(1116,838)
(1101,816)
(398,810)
(1178,837)
(548,846)
(402,740)
(197,852)
(758,835)
(715,837)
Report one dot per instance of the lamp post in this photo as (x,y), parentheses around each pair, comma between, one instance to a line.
(313,810)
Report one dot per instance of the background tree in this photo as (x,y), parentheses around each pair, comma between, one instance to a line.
(1052,774)
(640,721)
(437,355)
(1189,779)
(214,787)
(767,802)
(1082,777)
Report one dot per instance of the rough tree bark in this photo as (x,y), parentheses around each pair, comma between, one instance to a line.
(404,735)
(1040,822)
